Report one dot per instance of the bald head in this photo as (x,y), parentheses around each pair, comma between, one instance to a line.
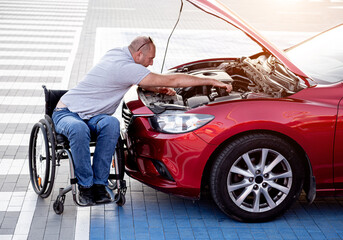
(142,43)
(143,50)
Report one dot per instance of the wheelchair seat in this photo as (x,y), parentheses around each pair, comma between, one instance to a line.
(47,148)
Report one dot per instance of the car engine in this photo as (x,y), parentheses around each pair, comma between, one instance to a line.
(260,77)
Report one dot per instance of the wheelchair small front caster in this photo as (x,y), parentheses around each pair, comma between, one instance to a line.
(120,199)
(59,205)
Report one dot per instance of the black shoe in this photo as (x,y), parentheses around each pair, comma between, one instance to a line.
(100,194)
(86,196)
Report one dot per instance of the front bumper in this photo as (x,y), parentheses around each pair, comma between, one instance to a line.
(172,163)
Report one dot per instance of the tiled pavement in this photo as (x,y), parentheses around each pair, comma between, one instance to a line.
(55,43)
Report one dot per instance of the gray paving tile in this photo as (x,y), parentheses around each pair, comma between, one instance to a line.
(31,67)
(7,231)
(8,187)
(2,216)
(51,237)
(23,179)
(22,155)
(22,184)
(22,93)
(67,233)
(9,222)
(41,211)
(70,211)
(36,234)
(13,178)
(5,78)
(52,230)
(10,151)
(15,127)
(68,222)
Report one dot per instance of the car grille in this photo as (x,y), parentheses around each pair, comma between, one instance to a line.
(127,115)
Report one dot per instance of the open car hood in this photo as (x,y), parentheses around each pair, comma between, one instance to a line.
(218,9)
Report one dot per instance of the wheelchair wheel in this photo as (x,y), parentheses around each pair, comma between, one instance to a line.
(120,199)
(112,183)
(58,205)
(52,153)
(39,158)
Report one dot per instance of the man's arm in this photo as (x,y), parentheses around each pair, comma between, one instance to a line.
(164,90)
(180,80)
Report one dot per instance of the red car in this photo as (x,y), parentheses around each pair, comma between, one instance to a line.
(280,130)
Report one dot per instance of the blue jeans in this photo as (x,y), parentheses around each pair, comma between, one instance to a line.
(104,128)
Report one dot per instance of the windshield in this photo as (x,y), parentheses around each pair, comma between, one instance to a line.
(321,57)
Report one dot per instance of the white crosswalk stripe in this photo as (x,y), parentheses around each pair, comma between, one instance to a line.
(28,86)
(36,46)
(31,73)
(13,166)
(33,62)
(20,117)
(47,17)
(40,28)
(29,53)
(14,139)
(34,32)
(40,22)
(42,6)
(49,2)
(42,14)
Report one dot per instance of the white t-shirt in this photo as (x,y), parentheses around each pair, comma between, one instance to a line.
(102,89)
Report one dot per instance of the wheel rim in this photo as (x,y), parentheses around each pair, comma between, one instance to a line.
(40,156)
(259,180)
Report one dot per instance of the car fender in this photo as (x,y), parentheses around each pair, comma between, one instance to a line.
(301,121)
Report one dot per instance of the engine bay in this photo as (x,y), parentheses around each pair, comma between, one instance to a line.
(251,78)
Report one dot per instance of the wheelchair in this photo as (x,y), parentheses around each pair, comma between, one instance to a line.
(47,149)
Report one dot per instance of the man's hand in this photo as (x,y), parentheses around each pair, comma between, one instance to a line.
(222,85)
(167,91)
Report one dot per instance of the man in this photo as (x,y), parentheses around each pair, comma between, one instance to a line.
(86,110)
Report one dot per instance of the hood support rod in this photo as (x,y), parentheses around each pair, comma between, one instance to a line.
(178,19)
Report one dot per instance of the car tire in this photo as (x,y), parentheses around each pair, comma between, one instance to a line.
(256,177)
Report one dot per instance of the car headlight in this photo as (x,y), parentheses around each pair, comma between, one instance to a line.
(179,123)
